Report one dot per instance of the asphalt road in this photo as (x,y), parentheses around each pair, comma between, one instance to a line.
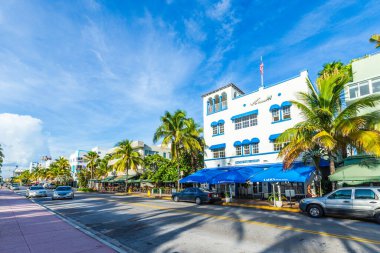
(147,225)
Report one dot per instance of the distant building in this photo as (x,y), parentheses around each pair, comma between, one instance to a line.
(77,162)
(145,150)
(366,78)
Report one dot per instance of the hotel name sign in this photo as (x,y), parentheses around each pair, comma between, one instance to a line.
(261,100)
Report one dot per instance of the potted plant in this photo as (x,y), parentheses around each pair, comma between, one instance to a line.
(228,197)
(275,198)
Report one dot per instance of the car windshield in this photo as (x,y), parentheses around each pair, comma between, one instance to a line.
(36,188)
(63,188)
(203,190)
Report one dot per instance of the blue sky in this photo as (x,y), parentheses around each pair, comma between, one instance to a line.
(90,73)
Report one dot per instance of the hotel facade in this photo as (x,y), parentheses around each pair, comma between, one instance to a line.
(240,128)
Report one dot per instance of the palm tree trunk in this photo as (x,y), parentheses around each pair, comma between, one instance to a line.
(126,183)
(178,176)
(332,165)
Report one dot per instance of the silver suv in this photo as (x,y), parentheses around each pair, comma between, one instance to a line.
(361,202)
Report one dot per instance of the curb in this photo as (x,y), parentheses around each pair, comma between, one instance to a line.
(112,243)
(267,208)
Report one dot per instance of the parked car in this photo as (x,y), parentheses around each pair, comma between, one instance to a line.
(15,187)
(63,192)
(49,186)
(197,195)
(35,191)
(363,202)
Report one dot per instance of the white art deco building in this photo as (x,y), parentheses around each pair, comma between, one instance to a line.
(240,128)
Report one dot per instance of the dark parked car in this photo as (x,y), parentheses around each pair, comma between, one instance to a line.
(63,192)
(197,195)
(361,202)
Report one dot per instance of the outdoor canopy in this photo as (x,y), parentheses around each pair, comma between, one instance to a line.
(218,146)
(214,123)
(237,143)
(202,176)
(357,174)
(220,122)
(278,174)
(245,114)
(274,107)
(239,175)
(255,140)
(286,103)
(273,137)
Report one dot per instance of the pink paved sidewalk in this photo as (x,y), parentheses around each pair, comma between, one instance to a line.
(28,227)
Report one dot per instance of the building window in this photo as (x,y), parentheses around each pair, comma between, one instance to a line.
(221,128)
(214,130)
(246,150)
(286,112)
(164,155)
(219,153)
(255,148)
(238,124)
(275,115)
(246,121)
(238,150)
(279,146)
(375,86)
(364,88)
(253,120)
(354,92)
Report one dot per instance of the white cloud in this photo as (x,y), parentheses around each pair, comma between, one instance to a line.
(194,30)
(22,139)
(219,10)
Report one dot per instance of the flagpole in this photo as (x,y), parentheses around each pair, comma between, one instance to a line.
(262,72)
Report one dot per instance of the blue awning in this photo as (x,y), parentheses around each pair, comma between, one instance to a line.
(245,114)
(274,107)
(201,176)
(246,142)
(286,103)
(214,123)
(218,146)
(278,174)
(221,122)
(237,144)
(255,140)
(273,137)
(236,175)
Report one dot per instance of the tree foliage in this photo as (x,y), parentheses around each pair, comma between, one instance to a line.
(329,127)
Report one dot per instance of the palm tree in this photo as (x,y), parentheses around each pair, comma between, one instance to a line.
(103,167)
(328,126)
(92,160)
(60,169)
(127,158)
(181,133)
(376,39)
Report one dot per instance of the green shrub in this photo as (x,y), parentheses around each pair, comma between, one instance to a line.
(86,190)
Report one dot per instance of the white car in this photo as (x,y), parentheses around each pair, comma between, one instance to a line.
(36,191)
(15,187)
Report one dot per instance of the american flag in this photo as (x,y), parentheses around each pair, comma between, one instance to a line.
(262,67)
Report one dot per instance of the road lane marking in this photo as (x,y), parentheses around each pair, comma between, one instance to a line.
(289,228)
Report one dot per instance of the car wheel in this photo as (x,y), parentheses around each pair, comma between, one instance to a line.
(198,201)
(377,217)
(315,211)
(176,199)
